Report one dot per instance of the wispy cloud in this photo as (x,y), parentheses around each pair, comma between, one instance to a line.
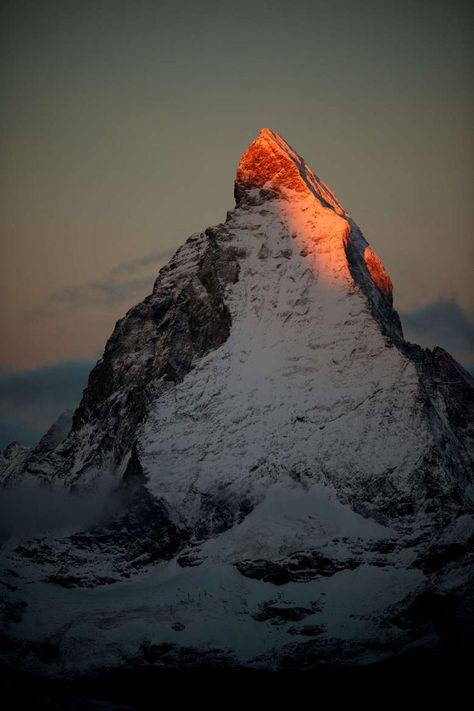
(31,400)
(105,293)
(123,283)
(443,323)
(136,265)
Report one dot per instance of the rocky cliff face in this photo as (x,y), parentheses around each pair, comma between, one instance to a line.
(283,462)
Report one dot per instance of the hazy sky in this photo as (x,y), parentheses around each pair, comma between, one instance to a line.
(123,121)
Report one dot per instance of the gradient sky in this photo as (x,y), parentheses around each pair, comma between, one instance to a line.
(123,122)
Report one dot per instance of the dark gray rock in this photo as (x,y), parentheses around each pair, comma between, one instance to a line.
(298,567)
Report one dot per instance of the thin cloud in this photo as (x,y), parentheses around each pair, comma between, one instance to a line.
(30,401)
(148,260)
(126,281)
(443,323)
(105,293)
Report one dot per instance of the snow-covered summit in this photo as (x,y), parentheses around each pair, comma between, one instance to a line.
(270,168)
(269,338)
(271,163)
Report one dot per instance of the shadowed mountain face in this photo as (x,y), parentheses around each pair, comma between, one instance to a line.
(290,481)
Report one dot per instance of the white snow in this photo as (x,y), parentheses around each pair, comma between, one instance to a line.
(304,386)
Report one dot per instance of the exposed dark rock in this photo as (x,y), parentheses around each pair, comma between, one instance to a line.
(380,303)
(325,652)
(385,545)
(438,557)
(11,610)
(189,561)
(173,655)
(265,570)
(74,581)
(137,533)
(56,434)
(428,607)
(47,652)
(220,511)
(12,450)
(142,535)
(178,626)
(298,567)
(280,614)
(141,532)
(38,551)
(307,630)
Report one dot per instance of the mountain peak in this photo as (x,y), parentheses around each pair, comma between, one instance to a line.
(256,435)
(270,163)
(332,244)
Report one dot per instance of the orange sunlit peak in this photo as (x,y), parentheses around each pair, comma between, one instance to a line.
(270,162)
(309,209)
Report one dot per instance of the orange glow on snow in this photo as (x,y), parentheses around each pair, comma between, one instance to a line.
(308,208)
(270,162)
(321,236)
(377,272)
(264,165)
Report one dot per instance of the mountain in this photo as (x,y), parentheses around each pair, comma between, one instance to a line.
(12,460)
(280,480)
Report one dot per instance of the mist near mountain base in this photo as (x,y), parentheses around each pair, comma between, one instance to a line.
(31,510)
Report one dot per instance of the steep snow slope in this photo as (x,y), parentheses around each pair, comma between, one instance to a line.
(306,386)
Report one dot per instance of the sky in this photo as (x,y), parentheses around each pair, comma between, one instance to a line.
(123,122)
